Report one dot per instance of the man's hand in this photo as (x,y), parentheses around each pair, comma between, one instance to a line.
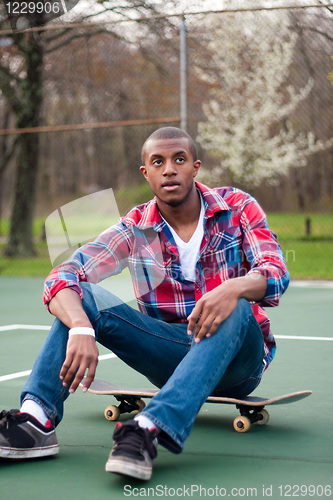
(81,355)
(216,306)
(210,311)
(82,352)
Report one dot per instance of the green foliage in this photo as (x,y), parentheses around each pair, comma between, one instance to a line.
(130,197)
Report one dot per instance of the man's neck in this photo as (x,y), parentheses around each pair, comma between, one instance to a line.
(184,218)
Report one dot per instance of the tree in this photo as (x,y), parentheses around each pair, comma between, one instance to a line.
(248,124)
(102,79)
(313,184)
(21,83)
(330,75)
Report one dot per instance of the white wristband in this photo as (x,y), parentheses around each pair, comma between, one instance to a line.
(81,330)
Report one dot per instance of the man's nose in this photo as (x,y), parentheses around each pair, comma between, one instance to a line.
(169,168)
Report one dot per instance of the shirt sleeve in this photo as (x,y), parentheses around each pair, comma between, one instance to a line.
(263,252)
(106,256)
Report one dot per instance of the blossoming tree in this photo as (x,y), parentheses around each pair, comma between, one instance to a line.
(248,125)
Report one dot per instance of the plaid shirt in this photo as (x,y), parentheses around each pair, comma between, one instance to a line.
(236,242)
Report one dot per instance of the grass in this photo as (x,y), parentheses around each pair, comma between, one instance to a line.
(38,266)
(309,259)
(308,256)
(292,227)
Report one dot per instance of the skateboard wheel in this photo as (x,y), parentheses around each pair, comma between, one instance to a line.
(242,424)
(265,417)
(111,413)
(141,405)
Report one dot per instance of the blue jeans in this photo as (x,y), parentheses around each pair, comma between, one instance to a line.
(229,363)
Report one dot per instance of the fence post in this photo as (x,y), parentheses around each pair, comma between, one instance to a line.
(183,76)
(307,226)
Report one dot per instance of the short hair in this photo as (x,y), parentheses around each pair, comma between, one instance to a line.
(171,133)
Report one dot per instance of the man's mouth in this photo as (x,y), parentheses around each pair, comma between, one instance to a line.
(170,186)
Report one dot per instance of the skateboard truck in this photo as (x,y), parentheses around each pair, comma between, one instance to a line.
(250,415)
(130,404)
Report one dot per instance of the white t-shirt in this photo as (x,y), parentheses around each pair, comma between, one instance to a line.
(189,251)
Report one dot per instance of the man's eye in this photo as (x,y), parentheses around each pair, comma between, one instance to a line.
(157,162)
(180,160)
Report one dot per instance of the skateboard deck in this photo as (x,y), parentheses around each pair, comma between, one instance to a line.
(251,408)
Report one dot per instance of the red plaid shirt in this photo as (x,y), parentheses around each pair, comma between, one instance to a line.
(236,242)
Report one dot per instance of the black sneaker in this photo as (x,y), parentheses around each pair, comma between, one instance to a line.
(134,449)
(22,436)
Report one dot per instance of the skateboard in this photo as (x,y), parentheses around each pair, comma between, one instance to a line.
(251,408)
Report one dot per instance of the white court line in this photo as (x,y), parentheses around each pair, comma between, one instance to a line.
(311,284)
(104,357)
(6,328)
(12,376)
(296,337)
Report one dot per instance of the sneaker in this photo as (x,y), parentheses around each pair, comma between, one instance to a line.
(22,436)
(134,449)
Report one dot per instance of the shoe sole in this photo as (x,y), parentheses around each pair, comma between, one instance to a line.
(23,453)
(124,468)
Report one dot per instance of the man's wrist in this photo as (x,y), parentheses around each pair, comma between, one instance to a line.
(250,287)
(81,330)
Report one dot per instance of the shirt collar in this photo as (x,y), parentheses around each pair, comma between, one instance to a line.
(150,216)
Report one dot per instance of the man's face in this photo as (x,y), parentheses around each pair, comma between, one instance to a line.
(170,169)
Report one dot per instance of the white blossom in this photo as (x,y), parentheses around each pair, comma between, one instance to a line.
(248,126)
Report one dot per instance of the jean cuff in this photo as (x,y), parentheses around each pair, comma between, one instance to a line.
(166,437)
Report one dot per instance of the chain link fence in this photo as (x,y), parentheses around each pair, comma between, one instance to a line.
(259,102)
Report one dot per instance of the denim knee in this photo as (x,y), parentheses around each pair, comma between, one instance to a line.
(244,307)
(96,299)
(242,313)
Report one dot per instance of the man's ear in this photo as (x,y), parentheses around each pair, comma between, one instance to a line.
(144,171)
(196,166)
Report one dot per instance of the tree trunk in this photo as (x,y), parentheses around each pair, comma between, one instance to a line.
(21,224)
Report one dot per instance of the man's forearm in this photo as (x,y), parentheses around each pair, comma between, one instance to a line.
(66,305)
(251,287)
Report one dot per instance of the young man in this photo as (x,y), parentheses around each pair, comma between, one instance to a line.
(203,264)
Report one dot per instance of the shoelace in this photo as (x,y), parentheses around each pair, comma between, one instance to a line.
(7,417)
(134,440)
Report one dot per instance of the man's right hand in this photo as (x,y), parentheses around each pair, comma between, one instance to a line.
(81,355)
(82,352)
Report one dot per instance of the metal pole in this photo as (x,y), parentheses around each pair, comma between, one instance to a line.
(183,77)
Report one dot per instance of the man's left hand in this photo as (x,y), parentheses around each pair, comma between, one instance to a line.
(216,306)
(211,310)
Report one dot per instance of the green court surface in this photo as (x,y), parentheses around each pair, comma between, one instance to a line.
(292,456)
